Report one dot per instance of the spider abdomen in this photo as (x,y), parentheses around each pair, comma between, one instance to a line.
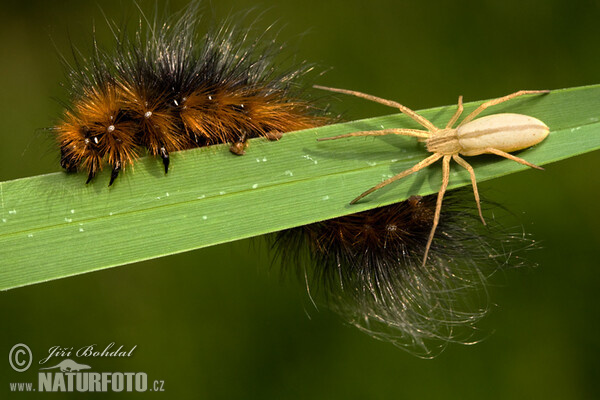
(506,132)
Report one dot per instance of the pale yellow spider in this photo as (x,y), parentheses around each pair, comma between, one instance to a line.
(493,134)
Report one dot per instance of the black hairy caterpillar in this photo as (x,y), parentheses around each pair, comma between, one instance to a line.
(368,268)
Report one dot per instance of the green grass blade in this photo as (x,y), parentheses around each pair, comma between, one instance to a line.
(54,225)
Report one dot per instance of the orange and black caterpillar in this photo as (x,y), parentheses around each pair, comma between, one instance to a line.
(168,89)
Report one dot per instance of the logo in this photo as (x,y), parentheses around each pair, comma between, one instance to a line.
(69,375)
(69,366)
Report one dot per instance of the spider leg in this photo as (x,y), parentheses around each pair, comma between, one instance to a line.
(407,132)
(405,110)
(438,206)
(457,114)
(469,168)
(426,162)
(504,154)
(497,101)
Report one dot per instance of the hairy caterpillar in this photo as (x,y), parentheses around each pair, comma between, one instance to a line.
(168,89)
(164,90)
(368,268)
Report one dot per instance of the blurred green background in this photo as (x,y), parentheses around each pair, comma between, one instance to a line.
(220,323)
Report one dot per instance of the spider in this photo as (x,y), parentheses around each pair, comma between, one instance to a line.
(493,134)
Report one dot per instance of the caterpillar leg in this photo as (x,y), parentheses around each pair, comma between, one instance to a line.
(115,172)
(93,165)
(273,135)
(164,154)
(239,148)
(91,175)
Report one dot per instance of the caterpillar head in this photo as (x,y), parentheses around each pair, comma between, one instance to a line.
(97,130)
